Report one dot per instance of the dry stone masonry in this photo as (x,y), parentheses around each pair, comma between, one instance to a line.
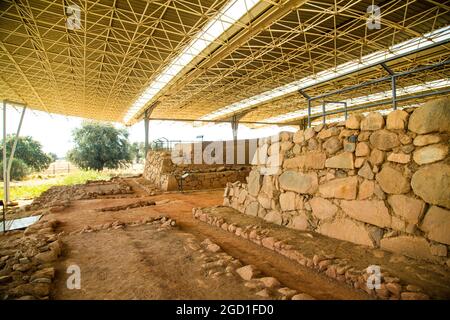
(163,173)
(378,181)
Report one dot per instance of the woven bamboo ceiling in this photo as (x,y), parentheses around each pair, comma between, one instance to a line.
(99,70)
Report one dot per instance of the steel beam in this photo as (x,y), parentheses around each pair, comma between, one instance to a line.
(146,123)
(5,185)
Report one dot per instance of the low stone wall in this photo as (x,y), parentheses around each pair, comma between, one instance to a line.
(376,181)
(163,173)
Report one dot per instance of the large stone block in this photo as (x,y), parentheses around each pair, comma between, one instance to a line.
(366,171)
(254,182)
(399,158)
(268,186)
(340,161)
(366,189)
(274,217)
(353,122)
(315,160)
(370,211)
(299,137)
(397,120)
(299,222)
(430,154)
(327,133)
(431,183)
(362,149)
(384,140)
(299,182)
(332,145)
(426,139)
(392,181)
(252,209)
(433,116)
(343,188)
(264,201)
(322,208)
(414,247)
(373,121)
(287,201)
(348,230)
(410,209)
(437,225)
(294,163)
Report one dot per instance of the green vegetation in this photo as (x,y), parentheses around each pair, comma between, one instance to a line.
(19,169)
(137,151)
(34,190)
(28,156)
(99,146)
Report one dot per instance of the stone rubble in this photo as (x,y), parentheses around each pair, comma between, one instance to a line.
(164,223)
(27,261)
(339,269)
(217,263)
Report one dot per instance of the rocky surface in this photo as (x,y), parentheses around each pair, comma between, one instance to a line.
(217,264)
(327,260)
(26,261)
(163,173)
(374,180)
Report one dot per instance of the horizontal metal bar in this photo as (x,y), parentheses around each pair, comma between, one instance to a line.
(375,81)
(214,121)
(430,46)
(375,104)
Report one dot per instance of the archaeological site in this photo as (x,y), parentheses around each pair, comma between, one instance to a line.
(245,150)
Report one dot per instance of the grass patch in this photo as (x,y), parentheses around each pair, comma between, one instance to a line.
(33,191)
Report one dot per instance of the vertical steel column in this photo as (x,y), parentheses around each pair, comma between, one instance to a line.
(4,167)
(323,112)
(13,150)
(146,123)
(345,110)
(309,113)
(234,127)
(394,92)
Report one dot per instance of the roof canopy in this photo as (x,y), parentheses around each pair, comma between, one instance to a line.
(211,53)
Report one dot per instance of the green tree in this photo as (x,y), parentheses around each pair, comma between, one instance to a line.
(137,151)
(53,156)
(19,170)
(29,151)
(99,146)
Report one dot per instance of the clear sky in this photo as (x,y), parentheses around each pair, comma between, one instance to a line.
(54,131)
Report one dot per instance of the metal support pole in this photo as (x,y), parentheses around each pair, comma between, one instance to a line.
(394,92)
(234,128)
(309,113)
(345,110)
(146,123)
(4,168)
(323,112)
(13,150)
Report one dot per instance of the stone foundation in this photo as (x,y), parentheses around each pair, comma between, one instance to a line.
(163,173)
(378,181)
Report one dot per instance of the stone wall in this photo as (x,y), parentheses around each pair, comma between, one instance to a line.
(163,173)
(376,181)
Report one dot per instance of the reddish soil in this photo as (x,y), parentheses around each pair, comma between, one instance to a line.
(142,263)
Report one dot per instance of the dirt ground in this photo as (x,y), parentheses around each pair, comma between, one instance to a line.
(143,262)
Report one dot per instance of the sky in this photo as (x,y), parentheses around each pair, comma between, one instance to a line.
(54,131)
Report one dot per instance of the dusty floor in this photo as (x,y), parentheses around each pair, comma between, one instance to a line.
(144,263)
